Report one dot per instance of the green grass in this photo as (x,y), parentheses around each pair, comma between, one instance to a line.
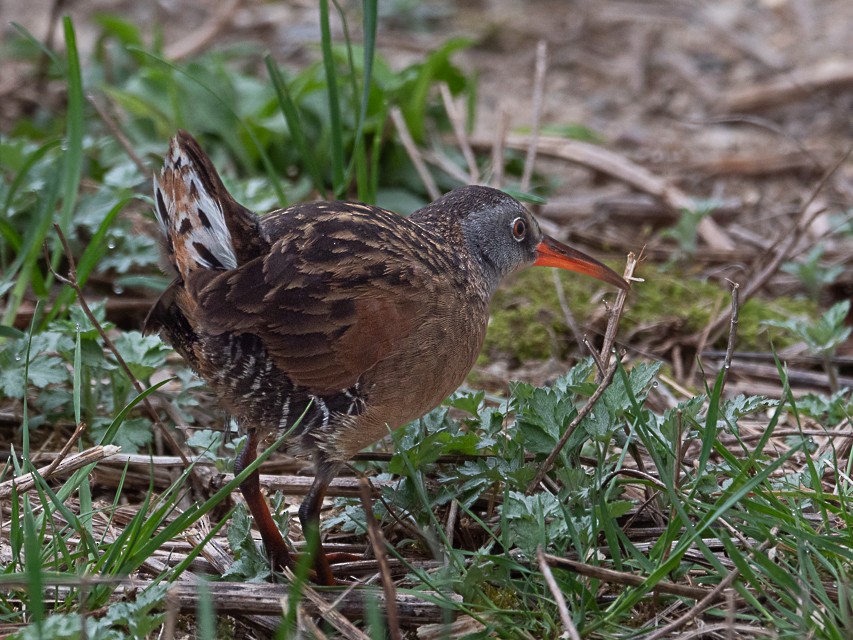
(781,519)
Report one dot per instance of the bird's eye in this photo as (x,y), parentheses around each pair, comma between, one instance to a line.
(519,229)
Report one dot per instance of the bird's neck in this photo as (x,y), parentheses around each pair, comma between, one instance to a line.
(472,263)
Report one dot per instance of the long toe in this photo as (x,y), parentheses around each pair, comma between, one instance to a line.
(323,570)
(281,559)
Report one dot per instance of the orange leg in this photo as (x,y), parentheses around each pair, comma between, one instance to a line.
(251,490)
(309,516)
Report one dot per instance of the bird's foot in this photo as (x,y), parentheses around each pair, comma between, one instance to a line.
(321,573)
(281,559)
(339,557)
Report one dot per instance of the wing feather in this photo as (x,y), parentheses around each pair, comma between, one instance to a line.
(337,293)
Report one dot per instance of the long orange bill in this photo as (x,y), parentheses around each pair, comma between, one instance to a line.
(551,253)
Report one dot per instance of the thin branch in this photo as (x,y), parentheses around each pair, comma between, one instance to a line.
(71,463)
(118,134)
(616,313)
(498,146)
(331,615)
(568,623)
(701,343)
(414,154)
(568,316)
(633,473)
(440,160)
(680,449)
(730,347)
(595,356)
(199,38)
(377,542)
(538,93)
(78,431)
(459,131)
(630,579)
(450,527)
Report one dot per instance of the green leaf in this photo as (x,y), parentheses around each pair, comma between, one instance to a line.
(436,68)
(43,369)
(824,336)
(742,405)
(251,565)
(143,354)
(132,436)
(207,442)
(543,417)
(127,252)
(535,520)
(578,378)
(640,379)
(470,402)
(600,423)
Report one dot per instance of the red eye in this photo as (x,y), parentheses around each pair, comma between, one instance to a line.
(519,229)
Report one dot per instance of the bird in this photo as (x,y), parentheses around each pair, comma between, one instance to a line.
(336,320)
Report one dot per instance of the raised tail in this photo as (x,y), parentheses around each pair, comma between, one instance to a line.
(204,227)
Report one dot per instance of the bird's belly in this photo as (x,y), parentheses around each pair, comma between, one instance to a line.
(421,375)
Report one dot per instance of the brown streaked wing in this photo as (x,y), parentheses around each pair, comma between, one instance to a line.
(326,300)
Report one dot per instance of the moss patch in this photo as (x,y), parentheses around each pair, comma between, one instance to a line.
(528,324)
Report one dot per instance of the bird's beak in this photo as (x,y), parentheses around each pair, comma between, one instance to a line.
(550,253)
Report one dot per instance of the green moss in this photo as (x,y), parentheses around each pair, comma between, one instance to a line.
(528,324)
(680,304)
(753,335)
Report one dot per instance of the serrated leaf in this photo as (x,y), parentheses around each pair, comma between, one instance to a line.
(619,508)
(548,409)
(600,423)
(742,405)
(143,354)
(640,380)
(207,442)
(43,370)
(468,402)
(133,435)
(689,410)
(577,379)
(250,564)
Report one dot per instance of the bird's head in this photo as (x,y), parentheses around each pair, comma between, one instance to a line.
(503,236)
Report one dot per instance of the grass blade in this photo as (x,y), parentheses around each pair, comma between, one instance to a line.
(291,115)
(26,260)
(709,434)
(33,566)
(338,184)
(73,158)
(31,161)
(366,192)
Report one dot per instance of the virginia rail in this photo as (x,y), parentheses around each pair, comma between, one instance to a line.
(347,315)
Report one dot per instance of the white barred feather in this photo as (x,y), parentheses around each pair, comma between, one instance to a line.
(193,219)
